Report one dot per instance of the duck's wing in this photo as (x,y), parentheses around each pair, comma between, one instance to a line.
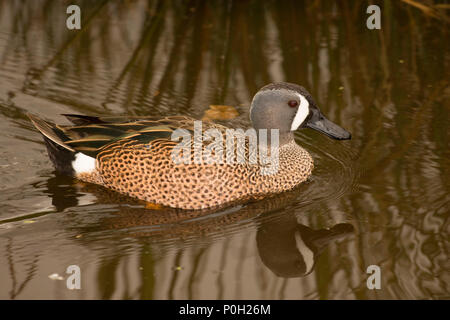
(91,134)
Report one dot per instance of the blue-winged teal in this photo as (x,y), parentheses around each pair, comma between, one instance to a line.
(133,155)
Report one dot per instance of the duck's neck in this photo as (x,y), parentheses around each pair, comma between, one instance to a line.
(277,137)
(286,138)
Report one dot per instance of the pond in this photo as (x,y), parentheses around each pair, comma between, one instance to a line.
(380,199)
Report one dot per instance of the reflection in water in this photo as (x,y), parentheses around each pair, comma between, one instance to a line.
(388,87)
(286,247)
(290,249)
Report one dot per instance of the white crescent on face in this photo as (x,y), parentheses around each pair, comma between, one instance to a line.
(302,113)
(305,252)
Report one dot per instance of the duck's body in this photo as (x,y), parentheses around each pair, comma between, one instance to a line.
(134,156)
(194,186)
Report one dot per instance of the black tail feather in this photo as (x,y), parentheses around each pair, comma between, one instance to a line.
(59,152)
(60,157)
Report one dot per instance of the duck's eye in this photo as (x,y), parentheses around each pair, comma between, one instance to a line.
(293,104)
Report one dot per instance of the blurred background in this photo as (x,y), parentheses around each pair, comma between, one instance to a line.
(382,198)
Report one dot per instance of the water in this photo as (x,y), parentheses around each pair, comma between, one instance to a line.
(380,199)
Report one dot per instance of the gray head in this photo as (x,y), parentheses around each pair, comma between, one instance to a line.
(289,107)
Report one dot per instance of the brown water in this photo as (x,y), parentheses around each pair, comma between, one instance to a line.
(380,199)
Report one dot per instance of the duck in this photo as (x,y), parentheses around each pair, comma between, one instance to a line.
(134,155)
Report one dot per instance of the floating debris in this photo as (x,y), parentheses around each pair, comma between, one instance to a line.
(220,112)
(55,276)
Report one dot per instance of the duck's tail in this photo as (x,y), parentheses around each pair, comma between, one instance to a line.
(59,152)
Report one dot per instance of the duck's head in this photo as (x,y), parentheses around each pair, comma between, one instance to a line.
(289,107)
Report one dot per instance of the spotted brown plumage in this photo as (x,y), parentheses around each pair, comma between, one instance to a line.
(133,155)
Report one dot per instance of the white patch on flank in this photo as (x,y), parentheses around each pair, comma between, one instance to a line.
(307,254)
(302,113)
(83,163)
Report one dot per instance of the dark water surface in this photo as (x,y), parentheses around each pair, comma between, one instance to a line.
(380,199)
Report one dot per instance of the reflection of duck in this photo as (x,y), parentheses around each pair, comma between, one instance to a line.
(290,249)
(287,248)
(134,156)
